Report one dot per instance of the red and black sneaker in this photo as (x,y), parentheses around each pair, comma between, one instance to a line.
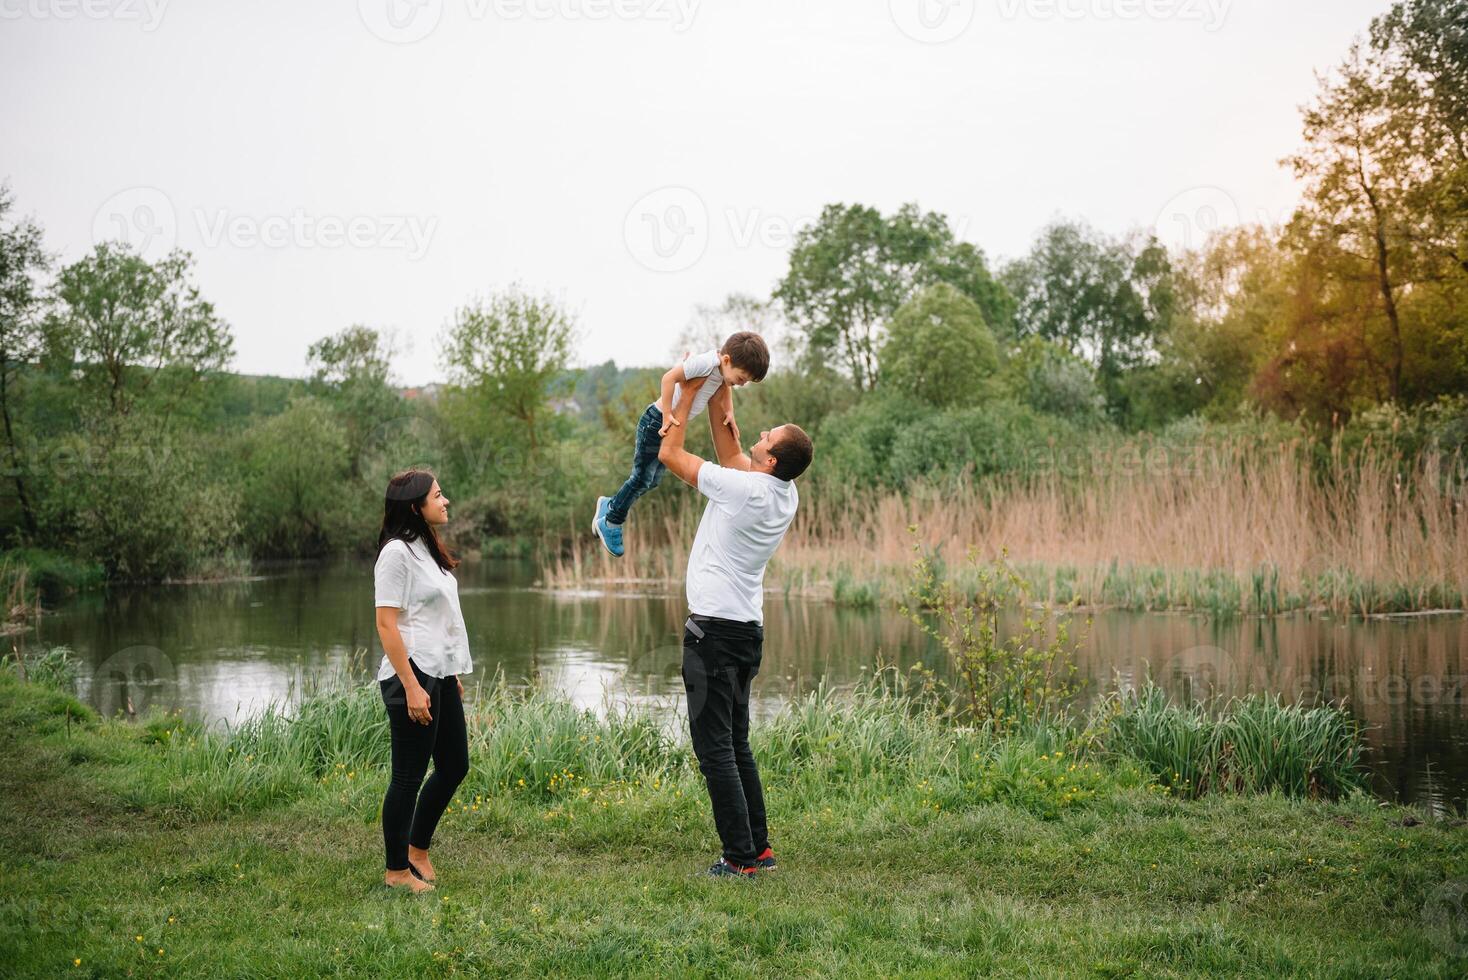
(766,860)
(725,869)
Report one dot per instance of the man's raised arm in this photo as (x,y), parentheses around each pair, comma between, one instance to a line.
(685,465)
(726,436)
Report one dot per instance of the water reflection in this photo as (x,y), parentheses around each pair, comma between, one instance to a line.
(221,652)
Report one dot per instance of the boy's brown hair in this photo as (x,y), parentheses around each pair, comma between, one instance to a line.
(747,351)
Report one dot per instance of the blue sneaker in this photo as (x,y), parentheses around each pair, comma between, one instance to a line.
(610,534)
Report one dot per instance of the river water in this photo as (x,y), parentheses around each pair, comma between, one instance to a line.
(220,652)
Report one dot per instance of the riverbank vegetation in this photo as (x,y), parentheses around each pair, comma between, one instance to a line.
(1260,419)
(1124,844)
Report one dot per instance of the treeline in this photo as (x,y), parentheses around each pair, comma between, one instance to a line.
(907,354)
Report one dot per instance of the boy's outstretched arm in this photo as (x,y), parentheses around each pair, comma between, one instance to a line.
(676,376)
(684,465)
(725,432)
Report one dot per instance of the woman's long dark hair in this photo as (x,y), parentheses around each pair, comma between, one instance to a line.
(402,516)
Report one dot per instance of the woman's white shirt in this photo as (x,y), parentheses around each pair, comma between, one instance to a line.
(432,625)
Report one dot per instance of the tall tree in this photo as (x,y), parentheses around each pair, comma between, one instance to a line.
(508,350)
(1107,300)
(126,323)
(1385,213)
(939,350)
(352,371)
(853,268)
(1421,47)
(22,261)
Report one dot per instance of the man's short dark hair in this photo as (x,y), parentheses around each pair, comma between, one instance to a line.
(747,350)
(792,453)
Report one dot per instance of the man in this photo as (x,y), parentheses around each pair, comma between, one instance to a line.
(752,500)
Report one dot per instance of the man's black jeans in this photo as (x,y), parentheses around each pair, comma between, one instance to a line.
(720,659)
(445,740)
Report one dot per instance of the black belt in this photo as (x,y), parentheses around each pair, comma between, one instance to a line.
(695,618)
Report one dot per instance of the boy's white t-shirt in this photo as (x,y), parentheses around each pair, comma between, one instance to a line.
(746,518)
(705,365)
(432,626)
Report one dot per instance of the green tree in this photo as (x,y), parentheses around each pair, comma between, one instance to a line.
(1048,378)
(507,351)
(22,262)
(1104,299)
(297,495)
(140,498)
(852,269)
(1422,47)
(939,350)
(127,323)
(352,371)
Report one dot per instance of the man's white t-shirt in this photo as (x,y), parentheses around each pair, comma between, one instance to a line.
(745,520)
(705,365)
(432,626)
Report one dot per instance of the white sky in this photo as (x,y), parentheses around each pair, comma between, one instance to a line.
(325,168)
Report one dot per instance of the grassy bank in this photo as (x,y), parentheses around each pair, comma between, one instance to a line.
(907,845)
(1220,529)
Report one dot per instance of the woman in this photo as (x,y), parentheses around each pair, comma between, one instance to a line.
(425,654)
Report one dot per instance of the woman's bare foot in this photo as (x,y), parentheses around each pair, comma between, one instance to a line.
(406,879)
(418,858)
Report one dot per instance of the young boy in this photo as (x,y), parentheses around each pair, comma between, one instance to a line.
(686,390)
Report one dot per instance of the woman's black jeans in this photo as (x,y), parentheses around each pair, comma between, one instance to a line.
(445,740)
(720,660)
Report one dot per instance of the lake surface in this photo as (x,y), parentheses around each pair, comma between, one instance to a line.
(220,652)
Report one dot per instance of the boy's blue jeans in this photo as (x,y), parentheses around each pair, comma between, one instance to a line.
(646,469)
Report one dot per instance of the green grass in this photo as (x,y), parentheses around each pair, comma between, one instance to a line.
(908,845)
(50,575)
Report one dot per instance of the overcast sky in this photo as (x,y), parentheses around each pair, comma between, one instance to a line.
(382,161)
